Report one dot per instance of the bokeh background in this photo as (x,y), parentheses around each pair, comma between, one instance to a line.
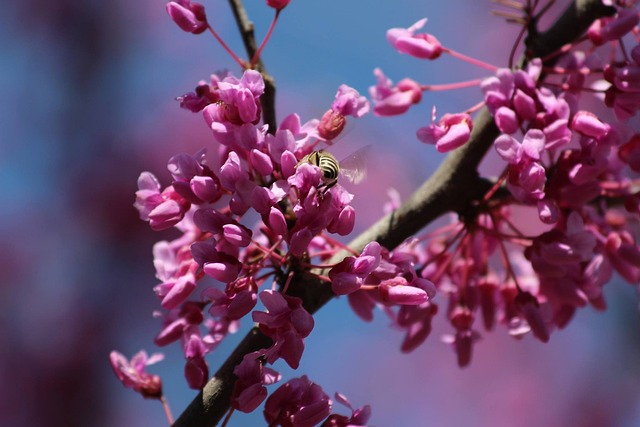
(88,92)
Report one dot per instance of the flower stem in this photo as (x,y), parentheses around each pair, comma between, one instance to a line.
(240,62)
(256,56)
(470,60)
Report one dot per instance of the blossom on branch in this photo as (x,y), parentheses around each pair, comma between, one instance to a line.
(298,402)
(423,45)
(392,100)
(190,17)
(133,373)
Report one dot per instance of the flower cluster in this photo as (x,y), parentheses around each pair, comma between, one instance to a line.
(577,170)
(263,173)
(260,211)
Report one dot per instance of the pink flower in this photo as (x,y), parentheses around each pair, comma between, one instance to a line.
(451,131)
(424,46)
(530,309)
(507,120)
(233,303)
(462,319)
(514,152)
(398,291)
(526,179)
(234,117)
(178,323)
(190,17)
(350,274)
(196,370)
(391,101)
(219,265)
(607,29)
(331,125)
(349,102)
(133,373)
(193,179)
(162,210)
(278,4)
(359,417)
(287,323)
(249,390)
(205,93)
(297,403)
(589,124)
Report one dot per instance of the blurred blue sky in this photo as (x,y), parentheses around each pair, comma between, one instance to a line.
(88,90)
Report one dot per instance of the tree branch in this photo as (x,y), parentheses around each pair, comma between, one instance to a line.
(454,187)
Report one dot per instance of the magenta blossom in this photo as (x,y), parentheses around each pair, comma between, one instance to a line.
(297,403)
(162,209)
(133,373)
(250,391)
(348,102)
(190,17)
(607,29)
(287,323)
(359,417)
(392,100)
(424,46)
(278,4)
(451,131)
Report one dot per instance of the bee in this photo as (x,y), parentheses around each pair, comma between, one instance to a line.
(353,167)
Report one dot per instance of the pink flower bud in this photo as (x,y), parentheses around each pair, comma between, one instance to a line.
(190,17)
(288,164)
(236,234)
(461,318)
(222,271)
(399,293)
(507,120)
(346,221)
(607,29)
(331,125)
(206,188)
(262,199)
(548,211)
(488,304)
(196,370)
(261,162)
(451,131)
(345,283)
(524,105)
(278,4)
(424,46)
(231,172)
(588,124)
(530,308)
(463,345)
(300,242)
(166,215)
(277,222)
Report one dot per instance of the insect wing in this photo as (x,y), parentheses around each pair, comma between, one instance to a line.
(354,166)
